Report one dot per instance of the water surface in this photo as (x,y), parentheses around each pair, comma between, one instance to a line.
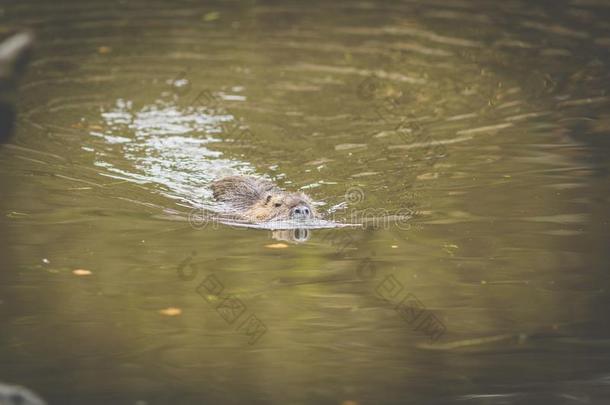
(487,121)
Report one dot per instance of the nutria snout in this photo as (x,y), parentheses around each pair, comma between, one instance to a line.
(301,211)
(257,200)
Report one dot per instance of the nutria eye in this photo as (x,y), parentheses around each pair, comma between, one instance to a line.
(268,199)
(278,204)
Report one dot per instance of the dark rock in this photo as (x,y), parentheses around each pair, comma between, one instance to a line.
(14,54)
(17,395)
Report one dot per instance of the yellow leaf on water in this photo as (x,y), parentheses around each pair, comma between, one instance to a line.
(82,272)
(104,50)
(171,311)
(277,246)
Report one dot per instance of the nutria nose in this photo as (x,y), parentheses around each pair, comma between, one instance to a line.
(301,211)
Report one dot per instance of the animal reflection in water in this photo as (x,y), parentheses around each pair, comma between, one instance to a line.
(292,235)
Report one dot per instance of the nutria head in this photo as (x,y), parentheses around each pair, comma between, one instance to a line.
(277,205)
(258,200)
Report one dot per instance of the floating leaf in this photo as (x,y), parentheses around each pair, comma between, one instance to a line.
(82,272)
(104,50)
(277,246)
(171,311)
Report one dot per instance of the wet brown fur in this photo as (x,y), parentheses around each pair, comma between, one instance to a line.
(257,200)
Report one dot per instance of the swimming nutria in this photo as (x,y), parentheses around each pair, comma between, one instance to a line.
(257,200)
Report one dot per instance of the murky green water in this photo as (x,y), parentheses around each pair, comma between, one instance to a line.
(488,121)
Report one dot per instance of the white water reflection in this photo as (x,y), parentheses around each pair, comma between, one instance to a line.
(167,148)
